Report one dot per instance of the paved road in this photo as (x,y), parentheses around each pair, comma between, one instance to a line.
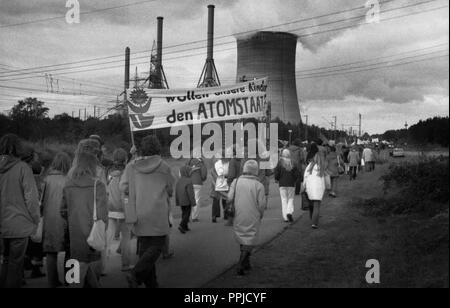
(203,253)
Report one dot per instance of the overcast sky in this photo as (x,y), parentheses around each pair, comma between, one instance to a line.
(401,63)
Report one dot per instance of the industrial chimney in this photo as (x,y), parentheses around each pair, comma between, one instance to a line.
(127,69)
(209,76)
(157,77)
(272,54)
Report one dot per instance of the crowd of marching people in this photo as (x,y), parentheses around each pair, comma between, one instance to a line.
(81,203)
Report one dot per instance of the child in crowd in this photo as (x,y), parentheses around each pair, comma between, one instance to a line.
(185,198)
(116,216)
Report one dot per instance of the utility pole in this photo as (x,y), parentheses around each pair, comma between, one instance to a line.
(94,110)
(306,128)
(46,81)
(360,121)
(85,113)
(79,113)
(335,127)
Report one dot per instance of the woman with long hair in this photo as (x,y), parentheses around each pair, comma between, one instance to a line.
(116,209)
(92,146)
(314,185)
(286,174)
(53,231)
(82,191)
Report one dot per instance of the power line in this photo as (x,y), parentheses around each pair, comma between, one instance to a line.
(81,13)
(319,75)
(378,63)
(39,90)
(375,68)
(195,48)
(321,69)
(376,58)
(386,19)
(362,68)
(94,84)
(218,37)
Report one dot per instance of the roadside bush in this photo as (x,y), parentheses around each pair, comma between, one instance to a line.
(424,180)
(419,187)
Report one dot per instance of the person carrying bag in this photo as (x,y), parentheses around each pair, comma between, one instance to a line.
(97,236)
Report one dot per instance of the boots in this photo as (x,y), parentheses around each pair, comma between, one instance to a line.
(244,263)
(240,270)
(36,272)
(247,265)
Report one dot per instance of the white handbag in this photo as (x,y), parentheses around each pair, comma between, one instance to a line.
(37,237)
(97,237)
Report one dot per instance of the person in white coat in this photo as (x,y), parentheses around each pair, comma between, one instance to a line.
(314,185)
(368,158)
(249,199)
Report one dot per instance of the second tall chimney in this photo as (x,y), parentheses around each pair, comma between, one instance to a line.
(159,41)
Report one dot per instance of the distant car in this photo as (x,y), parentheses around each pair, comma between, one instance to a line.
(398,152)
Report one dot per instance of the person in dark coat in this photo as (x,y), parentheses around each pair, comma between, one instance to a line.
(19,210)
(35,254)
(148,183)
(93,146)
(79,193)
(54,225)
(298,159)
(185,198)
(198,174)
(234,172)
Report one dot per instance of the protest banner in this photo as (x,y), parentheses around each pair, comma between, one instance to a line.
(156,108)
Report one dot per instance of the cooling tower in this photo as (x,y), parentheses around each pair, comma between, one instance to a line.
(272,54)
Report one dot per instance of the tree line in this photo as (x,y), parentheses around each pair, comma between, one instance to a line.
(433,131)
(29,119)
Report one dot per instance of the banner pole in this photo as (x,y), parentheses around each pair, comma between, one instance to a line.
(128,118)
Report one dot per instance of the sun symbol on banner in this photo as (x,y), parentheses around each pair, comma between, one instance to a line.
(140,102)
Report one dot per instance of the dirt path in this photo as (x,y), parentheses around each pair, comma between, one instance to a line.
(333,256)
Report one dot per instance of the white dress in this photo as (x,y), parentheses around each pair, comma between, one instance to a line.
(314,184)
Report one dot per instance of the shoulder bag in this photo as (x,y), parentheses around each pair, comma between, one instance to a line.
(341,169)
(97,237)
(231,209)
